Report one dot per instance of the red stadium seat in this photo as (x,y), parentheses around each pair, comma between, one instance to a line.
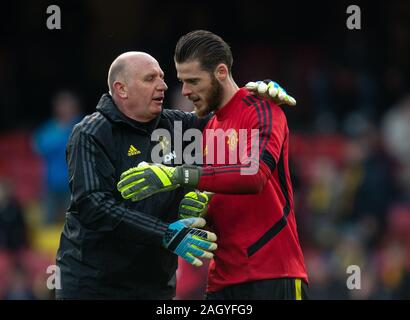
(21,165)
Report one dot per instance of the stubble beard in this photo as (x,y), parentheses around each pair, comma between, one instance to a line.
(214,99)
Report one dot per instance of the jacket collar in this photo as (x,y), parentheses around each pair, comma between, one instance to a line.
(108,108)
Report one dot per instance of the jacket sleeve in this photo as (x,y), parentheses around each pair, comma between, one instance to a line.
(189,119)
(266,132)
(93,187)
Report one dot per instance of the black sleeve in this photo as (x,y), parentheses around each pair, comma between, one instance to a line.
(189,119)
(92,184)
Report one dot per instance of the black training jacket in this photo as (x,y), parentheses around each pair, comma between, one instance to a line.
(110,247)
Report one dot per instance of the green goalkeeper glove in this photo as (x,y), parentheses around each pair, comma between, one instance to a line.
(271,90)
(184,239)
(193,205)
(147,179)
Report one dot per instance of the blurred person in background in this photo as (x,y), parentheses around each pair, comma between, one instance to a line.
(19,287)
(368,179)
(13,240)
(396,134)
(13,232)
(50,141)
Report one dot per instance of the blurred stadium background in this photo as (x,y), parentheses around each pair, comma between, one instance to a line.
(350,132)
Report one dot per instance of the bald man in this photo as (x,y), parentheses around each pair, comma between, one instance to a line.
(137,86)
(111,248)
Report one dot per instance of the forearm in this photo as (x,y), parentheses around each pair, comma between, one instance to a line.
(99,211)
(233,181)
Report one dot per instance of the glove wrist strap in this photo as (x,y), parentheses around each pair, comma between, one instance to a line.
(189,175)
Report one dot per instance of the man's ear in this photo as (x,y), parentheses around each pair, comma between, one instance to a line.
(221,72)
(120,89)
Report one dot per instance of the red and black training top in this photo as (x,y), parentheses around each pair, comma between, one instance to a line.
(252,211)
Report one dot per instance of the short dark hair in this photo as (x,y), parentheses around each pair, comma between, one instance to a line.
(205,46)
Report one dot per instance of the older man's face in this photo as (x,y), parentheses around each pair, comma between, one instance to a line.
(146,88)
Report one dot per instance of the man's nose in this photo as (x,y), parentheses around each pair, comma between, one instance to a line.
(162,86)
(185,90)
